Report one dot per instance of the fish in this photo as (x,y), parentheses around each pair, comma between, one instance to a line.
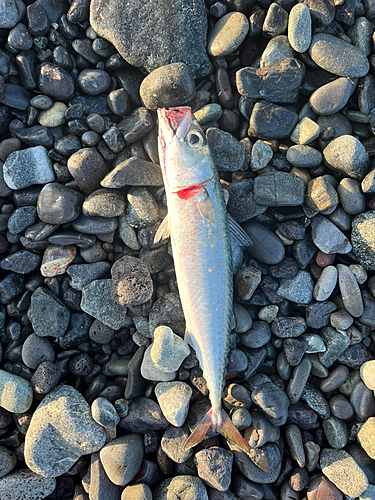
(198,227)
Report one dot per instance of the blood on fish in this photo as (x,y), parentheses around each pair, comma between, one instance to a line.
(189,192)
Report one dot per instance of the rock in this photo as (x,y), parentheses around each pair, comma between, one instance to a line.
(336,342)
(58,204)
(305,132)
(269,121)
(56,259)
(327,237)
(136,492)
(132,284)
(321,195)
(133,172)
(279,189)
(172,444)
(97,301)
(56,322)
(21,219)
(168,350)
(104,413)
(122,458)
(104,203)
(299,28)
(303,156)
(332,97)
(8,14)
(266,247)
(182,487)
(350,291)
(227,34)
(94,81)
(341,469)
(45,377)
(56,82)
(168,86)
(227,152)
(99,484)
(347,154)
(16,394)
(60,432)
(273,401)
(130,33)
(150,371)
(338,57)
(27,167)
(87,168)
(367,372)
(320,487)
(173,398)
(246,282)
(54,116)
(24,483)
(277,49)
(298,289)
(261,155)
(144,416)
(214,467)
(22,262)
(363,230)
(35,350)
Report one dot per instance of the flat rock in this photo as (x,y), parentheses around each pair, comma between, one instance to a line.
(122,458)
(60,432)
(338,57)
(130,33)
(227,34)
(328,237)
(332,97)
(299,28)
(278,189)
(27,167)
(298,289)
(133,172)
(16,394)
(269,121)
(173,398)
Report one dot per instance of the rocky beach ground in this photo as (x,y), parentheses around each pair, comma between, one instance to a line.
(98,391)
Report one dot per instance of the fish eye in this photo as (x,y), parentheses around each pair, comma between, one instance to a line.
(195,138)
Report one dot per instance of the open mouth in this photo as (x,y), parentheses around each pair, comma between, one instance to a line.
(173,116)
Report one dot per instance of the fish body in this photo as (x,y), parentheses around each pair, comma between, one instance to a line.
(198,228)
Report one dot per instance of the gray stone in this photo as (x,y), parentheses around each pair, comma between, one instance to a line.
(35,350)
(27,167)
(363,239)
(104,203)
(362,401)
(26,485)
(172,443)
(122,458)
(168,350)
(132,284)
(227,152)
(352,199)
(97,301)
(150,371)
(16,394)
(130,33)
(315,399)
(305,132)
(173,398)
(273,401)
(60,432)
(9,14)
(350,291)
(279,189)
(214,467)
(335,431)
(298,289)
(144,416)
(133,172)
(328,237)
(82,274)
(336,342)
(98,483)
(227,34)
(53,324)
(269,121)
(294,441)
(181,487)
(21,219)
(338,57)
(304,156)
(347,154)
(332,97)
(277,49)
(104,413)
(326,283)
(298,381)
(299,28)
(343,471)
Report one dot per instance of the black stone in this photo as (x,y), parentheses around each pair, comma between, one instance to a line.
(36,136)
(56,82)
(269,121)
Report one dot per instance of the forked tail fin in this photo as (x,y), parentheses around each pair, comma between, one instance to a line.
(226,429)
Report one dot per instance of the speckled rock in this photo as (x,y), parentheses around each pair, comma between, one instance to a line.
(16,394)
(168,350)
(26,485)
(173,398)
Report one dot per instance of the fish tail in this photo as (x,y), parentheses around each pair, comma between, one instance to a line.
(223,425)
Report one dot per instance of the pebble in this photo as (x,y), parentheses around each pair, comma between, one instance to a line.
(24,484)
(183,487)
(351,197)
(172,444)
(21,219)
(98,483)
(45,378)
(270,121)
(305,132)
(298,289)
(133,172)
(53,116)
(122,458)
(246,282)
(299,28)
(363,239)
(56,259)
(56,323)
(320,487)
(298,381)
(277,49)
(321,196)
(328,237)
(273,401)
(58,204)
(227,34)
(94,81)
(362,400)
(337,56)
(55,82)
(293,438)
(35,350)
(27,167)
(325,284)
(261,155)
(336,342)
(144,416)
(173,398)
(61,424)
(332,97)
(350,291)
(314,398)
(341,469)
(168,350)
(150,371)
(22,262)
(9,14)
(16,393)
(87,167)
(227,152)
(131,281)
(279,189)
(136,492)
(336,432)
(367,372)
(98,302)
(214,466)
(341,407)
(347,154)
(103,203)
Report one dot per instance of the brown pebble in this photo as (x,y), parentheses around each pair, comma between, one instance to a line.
(8,146)
(324,259)
(224,89)
(299,479)
(320,488)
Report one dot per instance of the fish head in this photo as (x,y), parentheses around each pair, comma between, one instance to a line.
(183,150)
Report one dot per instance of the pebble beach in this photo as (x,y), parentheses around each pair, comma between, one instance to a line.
(98,390)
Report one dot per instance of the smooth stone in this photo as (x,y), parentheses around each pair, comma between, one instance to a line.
(97,301)
(168,86)
(352,199)
(336,432)
(118,100)
(56,322)
(61,427)
(342,470)
(258,335)
(8,14)
(98,483)
(315,399)
(312,456)
(277,49)
(104,203)
(299,28)
(278,189)
(270,452)
(35,350)
(298,289)
(336,342)
(261,155)
(332,97)
(365,436)
(173,398)
(144,416)
(133,172)
(122,458)
(350,291)
(95,225)
(19,38)
(269,121)
(305,132)
(16,394)
(321,195)
(87,167)
(94,81)
(266,246)
(362,237)
(362,400)
(294,441)
(21,219)
(314,343)
(303,156)
(168,349)
(22,262)
(136,125)
(142,209)
(56,82)
(367,372)
(36,136)
(27,167)
(56,259)
(58,204)
(209,113)
(341,407)
(246,282)
(45,378)
(24,484)
(184,487)
(338,57)
(335,379)
(54,116)
(227,34)
(150,371)
(298,381)
(347,154)
(8,461)
(136,492)
(368,183)
(328,237)
(273,401)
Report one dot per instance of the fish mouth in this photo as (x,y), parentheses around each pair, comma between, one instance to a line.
(175,121)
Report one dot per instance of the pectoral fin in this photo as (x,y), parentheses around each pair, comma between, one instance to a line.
(163,231)
(205,207)
(238,233)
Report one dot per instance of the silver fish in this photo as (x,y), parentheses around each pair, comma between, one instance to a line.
(198,227)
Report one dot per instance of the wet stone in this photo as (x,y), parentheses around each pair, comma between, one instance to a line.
(55,82)
(94,81)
